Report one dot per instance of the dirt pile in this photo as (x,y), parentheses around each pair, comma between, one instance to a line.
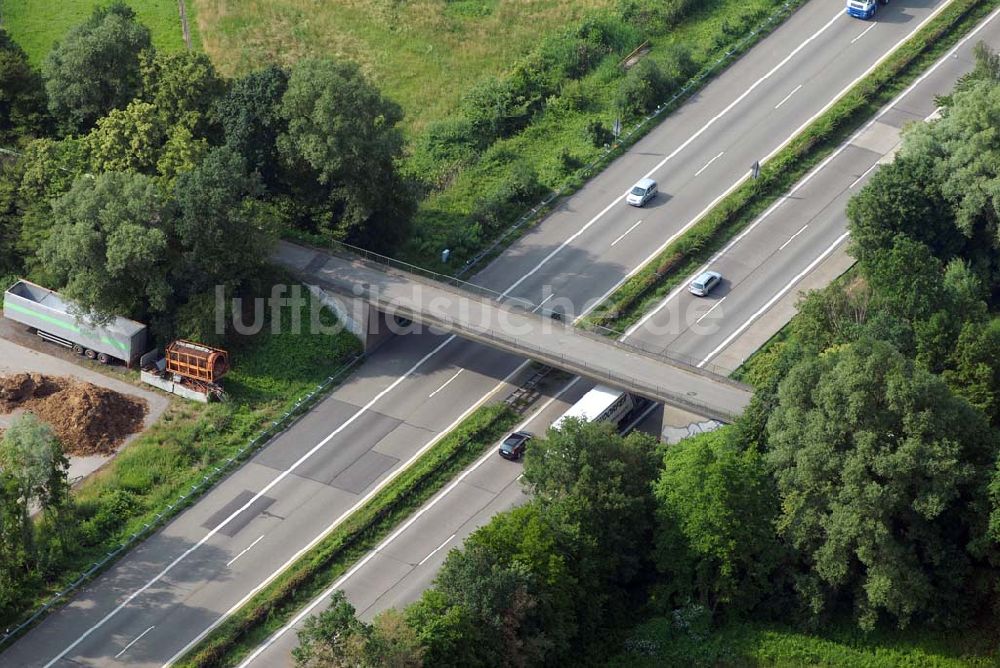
(87,419)
(17,388)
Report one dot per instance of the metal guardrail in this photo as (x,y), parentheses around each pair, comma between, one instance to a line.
(607,335)
(276,428)
(633,134)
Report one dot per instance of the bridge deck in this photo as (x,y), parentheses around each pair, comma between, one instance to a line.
(517,330)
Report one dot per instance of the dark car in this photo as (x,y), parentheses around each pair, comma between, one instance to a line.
(513,446)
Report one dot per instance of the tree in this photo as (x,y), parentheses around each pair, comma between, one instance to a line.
(22,94)
(31,453)
(976,372)
(108,248)
(882,474)
(250,114)
(127,140)
(336,637)
(902,197)
(184,89)
(593,488)
(95,68)
(32,477)
(341,145)
(964,151)
(715,539)
(220,239)
(45,170)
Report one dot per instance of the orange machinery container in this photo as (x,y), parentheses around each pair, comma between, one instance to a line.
(196,361)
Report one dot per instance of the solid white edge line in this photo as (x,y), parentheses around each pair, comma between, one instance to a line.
(137,639)
(325,594)
(808,177)
(315,541)
(770,302)
(573,237)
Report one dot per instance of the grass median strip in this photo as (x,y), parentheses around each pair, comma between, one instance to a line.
(656,279)
(274,605)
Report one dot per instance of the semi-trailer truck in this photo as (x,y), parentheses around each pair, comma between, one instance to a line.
(55,319)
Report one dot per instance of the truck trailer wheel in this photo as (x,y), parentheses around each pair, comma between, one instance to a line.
(77,348)
(90,354)
(104,358)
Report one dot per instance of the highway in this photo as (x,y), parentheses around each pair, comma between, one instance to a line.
(518,330)
(167,593)
(811,216)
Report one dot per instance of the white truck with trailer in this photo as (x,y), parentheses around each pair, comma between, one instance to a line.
(601,404)
(57,320)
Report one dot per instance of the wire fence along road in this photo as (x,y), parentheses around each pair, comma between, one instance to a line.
(187,498)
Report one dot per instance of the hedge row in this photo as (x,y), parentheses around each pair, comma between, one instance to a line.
(627,304)
(360,532)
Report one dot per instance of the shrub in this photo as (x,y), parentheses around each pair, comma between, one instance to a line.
(645,86)
(598,134)
(517,189)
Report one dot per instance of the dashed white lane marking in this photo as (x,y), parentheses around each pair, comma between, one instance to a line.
(787,97)
(626,233)
(245,550)
(698,173)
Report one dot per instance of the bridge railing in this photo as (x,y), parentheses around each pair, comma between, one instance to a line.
(610,336)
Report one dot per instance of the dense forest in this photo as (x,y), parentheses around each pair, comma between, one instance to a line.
(861,484)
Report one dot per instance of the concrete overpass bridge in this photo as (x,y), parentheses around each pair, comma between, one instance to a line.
(377,301)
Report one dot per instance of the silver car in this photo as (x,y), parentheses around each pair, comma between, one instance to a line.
(704,283)
(641,192)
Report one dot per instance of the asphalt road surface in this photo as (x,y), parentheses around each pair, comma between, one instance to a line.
(171,590)
(807,226)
